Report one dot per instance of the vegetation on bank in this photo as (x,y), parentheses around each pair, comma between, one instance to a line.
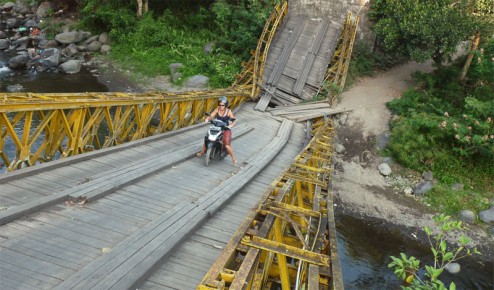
(178,32)
(446,123)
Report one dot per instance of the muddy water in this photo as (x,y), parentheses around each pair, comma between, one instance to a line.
(364,247)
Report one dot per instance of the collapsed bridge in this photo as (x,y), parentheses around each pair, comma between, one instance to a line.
(132,208)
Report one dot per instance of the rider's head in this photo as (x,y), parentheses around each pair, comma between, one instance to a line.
(223,101)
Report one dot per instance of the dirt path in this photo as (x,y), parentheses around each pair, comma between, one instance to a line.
(361,190)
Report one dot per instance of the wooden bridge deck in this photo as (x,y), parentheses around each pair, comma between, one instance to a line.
(298,59)
(146,214)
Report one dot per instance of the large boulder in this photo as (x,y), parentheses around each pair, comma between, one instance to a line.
(487,216)
(103,38)
(69,37)
(94,46)
(197,81)
(44,9)
(18,61)
(422,188)
(4,44)
(51,57)
(70,67)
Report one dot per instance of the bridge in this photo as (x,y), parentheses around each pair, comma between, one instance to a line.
(103,190)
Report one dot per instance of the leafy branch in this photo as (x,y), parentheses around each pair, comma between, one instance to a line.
(407,268)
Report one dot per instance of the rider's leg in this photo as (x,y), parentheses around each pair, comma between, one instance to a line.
(203,151)
(227,137)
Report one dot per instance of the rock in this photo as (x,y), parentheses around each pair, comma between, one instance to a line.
(91,39)
(174,67)
(457,186)
(49,44)
(18,62)
(8,6)
(22,7)
(453,268)
(384,169)
(467,216)
(197,81)
(389,160)
(105,49)
(208,48)
(408,190)
(15,88)
(94,46)
(12,23)
(339,148)
(103,38)
(487,216)
(4,44)
(70,67)
(383,140)
(44,10)
(69,37)
(427,176)
(31,23)
(422,188)
(70,50)
(51,57)
(3,35)
(176,76)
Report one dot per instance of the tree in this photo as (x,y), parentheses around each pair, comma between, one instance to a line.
(421,29)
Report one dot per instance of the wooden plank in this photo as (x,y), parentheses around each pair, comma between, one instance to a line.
(31,265)
(23,232)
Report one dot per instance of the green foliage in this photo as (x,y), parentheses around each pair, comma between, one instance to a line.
(421,29)
(447,127)
(237,26)
(407,268)
(149,44)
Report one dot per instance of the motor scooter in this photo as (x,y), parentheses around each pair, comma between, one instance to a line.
(214,140)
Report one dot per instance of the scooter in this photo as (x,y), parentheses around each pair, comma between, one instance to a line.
(214,141)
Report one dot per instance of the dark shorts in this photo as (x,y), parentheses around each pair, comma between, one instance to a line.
(227,137)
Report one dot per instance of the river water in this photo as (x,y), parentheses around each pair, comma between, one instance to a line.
(364,247)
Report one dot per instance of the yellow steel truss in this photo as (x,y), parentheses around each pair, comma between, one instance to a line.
(289,240)
(60,125)
(338,67)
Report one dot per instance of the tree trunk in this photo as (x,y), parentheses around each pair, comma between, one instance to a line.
(146,6)
(466,66)
(139,8)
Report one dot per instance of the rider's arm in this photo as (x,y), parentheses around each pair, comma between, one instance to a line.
(213,114)
(230,114)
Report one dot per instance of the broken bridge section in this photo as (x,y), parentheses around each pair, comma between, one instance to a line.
(299,57)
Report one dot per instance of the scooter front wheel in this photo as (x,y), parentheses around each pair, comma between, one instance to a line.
(209,155)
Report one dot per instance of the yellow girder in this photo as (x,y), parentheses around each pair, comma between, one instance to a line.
(287,238)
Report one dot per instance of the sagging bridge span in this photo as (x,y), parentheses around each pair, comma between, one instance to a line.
(138,210)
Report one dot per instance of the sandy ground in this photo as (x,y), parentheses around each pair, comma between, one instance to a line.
(361,190)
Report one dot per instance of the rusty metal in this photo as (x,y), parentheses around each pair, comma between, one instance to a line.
(287,242)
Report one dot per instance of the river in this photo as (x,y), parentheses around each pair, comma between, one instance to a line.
(364,247)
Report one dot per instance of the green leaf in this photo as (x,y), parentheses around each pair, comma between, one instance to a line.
(452,286)
(443,246)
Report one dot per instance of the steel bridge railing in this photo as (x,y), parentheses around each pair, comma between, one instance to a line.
(42,127)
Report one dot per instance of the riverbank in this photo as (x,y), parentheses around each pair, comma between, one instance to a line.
(360,188)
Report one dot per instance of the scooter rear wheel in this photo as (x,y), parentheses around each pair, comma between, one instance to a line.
(209,155)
